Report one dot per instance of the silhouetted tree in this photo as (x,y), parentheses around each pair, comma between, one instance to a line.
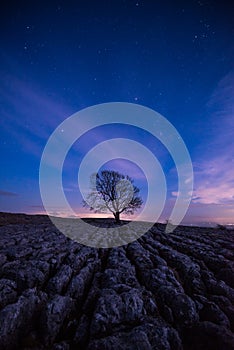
(114,192)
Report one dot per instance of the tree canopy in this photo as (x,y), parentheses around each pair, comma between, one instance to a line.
(113,192)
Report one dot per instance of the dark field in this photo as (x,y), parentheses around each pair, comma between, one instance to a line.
(164,291)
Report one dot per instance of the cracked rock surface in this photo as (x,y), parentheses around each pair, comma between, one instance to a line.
(163,291)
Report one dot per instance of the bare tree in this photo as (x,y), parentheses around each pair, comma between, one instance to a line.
(113,192)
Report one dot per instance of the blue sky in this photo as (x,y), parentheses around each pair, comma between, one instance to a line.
(172,56)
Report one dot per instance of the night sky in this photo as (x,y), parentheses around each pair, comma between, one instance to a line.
(175,57)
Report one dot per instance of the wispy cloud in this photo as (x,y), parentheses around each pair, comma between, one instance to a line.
(214,169)
(221,107)
(8,194)
(214,181)
(29,114)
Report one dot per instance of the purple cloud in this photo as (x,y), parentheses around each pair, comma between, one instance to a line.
(214,168)
(8,194)
(29,115)
(214,182)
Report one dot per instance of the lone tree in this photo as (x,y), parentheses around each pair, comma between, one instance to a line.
(114,192)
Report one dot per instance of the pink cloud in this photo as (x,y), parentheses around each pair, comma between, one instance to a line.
(214,182)
(214,168)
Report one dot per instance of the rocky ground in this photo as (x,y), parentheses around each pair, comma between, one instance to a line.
(164,291)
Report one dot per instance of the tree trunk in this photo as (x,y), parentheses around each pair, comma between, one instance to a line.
(117,217)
